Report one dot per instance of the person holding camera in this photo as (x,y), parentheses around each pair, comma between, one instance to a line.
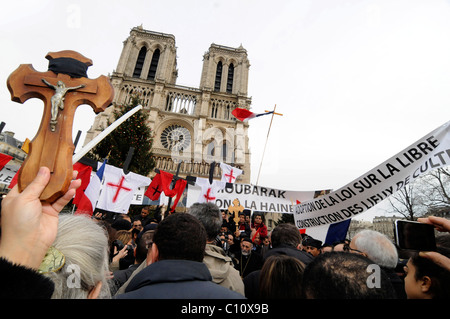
(122,251)
(428,272)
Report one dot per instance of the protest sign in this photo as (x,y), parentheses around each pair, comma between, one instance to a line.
(428,153)
(255,198)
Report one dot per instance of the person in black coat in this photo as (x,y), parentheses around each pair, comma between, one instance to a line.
(286,240)
(247,259)
(176,269)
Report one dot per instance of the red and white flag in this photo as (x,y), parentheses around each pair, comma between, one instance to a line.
(118,189)
(8,169)
(84,173)
(209,190)
(230,173)
(87,200)
(245,115)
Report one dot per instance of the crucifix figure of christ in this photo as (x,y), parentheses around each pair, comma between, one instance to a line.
(64,86)
(57,99)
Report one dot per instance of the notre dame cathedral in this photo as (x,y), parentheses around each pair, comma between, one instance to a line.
(191,126)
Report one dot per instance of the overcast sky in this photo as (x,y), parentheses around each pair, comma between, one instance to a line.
(357,81)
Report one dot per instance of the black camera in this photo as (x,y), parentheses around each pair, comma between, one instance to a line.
(118,244)
(413,235)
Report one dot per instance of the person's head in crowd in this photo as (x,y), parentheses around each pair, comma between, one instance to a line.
(257,239)
(179,236)
(425,279)
(143,242)
(82,247)
(281,278)
(121,224)
(258,219)
(286,234)
(230,239)
(312,246)
(125,217)
(145,211)
(340,275)
(137,224)
(376,246)
(124,236)
(246,246)
(224,227)
(210,216)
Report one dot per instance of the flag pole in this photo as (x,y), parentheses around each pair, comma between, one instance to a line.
(76,157)
(268,132)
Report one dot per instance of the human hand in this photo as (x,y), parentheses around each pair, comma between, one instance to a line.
(119,254)
(441,224)
(29,226)
(437,258)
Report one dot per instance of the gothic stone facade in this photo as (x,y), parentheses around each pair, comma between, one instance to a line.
(193,126)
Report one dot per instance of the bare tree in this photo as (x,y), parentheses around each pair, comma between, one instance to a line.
(439,185)
(427,194)
(408,202)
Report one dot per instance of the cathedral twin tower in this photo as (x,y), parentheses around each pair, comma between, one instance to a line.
(193,126)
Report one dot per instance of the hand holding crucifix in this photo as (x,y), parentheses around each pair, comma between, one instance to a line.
(63,87)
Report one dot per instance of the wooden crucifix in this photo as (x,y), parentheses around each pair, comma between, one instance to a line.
(62,88)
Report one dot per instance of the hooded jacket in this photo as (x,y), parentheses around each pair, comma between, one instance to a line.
(176,279)
(222,269)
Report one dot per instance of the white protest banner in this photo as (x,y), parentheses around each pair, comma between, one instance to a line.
(430,152)
(256,198)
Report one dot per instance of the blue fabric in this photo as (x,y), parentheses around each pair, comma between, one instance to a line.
(337,232)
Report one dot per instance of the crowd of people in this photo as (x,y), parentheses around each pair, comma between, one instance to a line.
(202,254)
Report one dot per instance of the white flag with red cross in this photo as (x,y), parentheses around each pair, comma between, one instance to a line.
(118,189)
(230,173)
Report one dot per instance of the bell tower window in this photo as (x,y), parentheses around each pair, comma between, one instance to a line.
(230,78)
(153,65)
(140,62)
(218,77)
